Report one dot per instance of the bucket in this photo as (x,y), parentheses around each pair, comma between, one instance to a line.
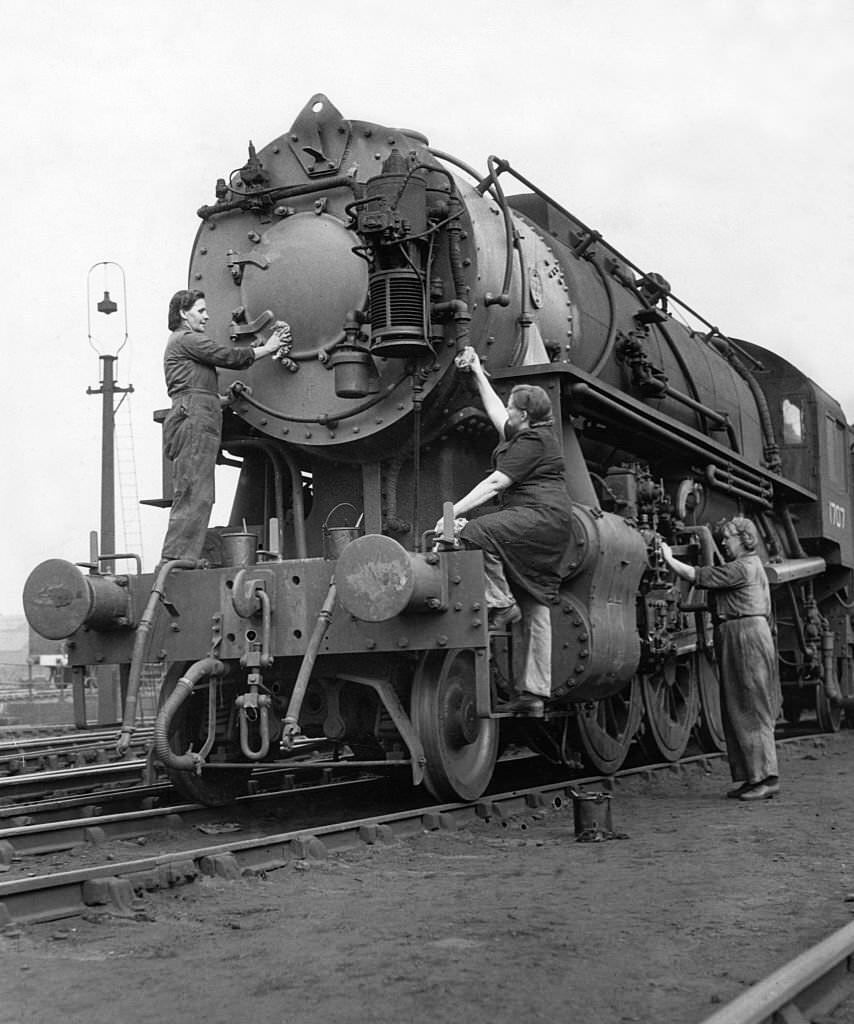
(336,538)
(592,816)
(239,549)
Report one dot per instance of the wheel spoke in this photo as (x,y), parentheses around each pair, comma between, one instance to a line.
(710,726)
(671,700)
(460,748)
(829,715)
(607,729)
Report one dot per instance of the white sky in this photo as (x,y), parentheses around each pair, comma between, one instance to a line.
(708,140)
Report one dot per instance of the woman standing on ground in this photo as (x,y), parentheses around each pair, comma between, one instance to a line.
(750,686)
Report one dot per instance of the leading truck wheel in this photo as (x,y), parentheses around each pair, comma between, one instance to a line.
(606,728)
(460,748)
(215,786)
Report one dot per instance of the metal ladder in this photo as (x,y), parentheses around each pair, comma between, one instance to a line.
(126,476)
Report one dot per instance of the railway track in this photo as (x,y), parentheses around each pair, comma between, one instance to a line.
(101,889)
(116,884)
(26,755)
(89,779)
(228,848)
(816,986)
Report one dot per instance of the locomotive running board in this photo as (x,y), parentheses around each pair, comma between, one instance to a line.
(588,394)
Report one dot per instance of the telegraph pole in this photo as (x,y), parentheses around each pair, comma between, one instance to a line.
(108,390)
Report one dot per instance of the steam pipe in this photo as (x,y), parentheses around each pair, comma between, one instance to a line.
(772,449)
(830,682)
(272,195)
(459,310)
(455,256)
(727,482)
(504,165)
(492,179)
(291,727)
(183,688)
(610,341)
(273,454)
(139,647)
(704,410)
(582,390)
(785,514)
(524,319)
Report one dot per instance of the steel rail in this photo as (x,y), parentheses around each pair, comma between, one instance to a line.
(31,764)
(815,983)
(57,836)
(50,897)
(43,898)
(11,745)
(12,786)
(85,804)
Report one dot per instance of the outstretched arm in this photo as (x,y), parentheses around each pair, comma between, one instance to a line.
(468,359)
(687,572)
(486,490)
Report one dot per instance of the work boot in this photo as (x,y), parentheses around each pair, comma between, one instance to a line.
(760,791)
(734,794)
(500,619)
(524,703)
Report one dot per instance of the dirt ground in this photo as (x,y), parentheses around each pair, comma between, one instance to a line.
(490,923)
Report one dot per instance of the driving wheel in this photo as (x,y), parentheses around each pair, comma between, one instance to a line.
(710,726)
(829,715)
(460,748)
(671,701)
(606,728)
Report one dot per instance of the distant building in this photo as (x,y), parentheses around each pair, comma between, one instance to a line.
(15,640)
(39,645)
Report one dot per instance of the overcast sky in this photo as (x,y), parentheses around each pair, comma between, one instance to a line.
(709,140)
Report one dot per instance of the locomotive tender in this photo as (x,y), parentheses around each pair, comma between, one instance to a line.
(327,609)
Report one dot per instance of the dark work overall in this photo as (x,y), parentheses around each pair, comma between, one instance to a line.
(191,436)
(191,433)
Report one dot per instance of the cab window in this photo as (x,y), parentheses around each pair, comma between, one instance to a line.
(835,438)
(793,421)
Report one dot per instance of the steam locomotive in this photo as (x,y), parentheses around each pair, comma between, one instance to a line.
(328,612)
